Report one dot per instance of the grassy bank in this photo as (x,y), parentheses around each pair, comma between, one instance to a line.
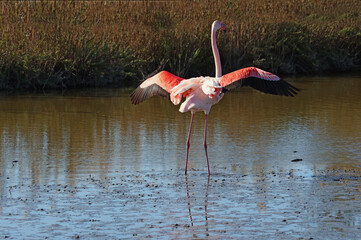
(64,44)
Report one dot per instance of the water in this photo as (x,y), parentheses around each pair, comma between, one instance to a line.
(91,159)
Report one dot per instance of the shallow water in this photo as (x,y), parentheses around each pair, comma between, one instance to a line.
(92,160)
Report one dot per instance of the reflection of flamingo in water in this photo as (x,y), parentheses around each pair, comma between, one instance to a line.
(202,92)
(205,205)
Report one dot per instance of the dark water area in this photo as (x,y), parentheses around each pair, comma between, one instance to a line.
(88,164)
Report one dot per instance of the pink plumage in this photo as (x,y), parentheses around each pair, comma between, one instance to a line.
(159,84)
(201,93)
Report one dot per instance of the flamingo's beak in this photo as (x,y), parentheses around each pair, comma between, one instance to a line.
(223,26)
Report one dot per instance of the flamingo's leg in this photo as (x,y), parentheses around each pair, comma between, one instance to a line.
(205,142)
(188,141)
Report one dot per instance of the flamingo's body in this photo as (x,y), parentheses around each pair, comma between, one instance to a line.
(201,93)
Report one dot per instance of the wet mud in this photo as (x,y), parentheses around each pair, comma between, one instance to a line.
(265,204)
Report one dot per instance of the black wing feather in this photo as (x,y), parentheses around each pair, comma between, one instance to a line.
(277,87)
(141,94)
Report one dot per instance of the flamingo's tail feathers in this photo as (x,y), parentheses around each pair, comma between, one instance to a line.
(175,98)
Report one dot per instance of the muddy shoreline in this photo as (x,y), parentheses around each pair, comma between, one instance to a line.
(168,205)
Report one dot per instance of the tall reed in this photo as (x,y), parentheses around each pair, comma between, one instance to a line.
(61,44)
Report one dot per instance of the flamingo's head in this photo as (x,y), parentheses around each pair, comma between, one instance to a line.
(219,25)
(211,87)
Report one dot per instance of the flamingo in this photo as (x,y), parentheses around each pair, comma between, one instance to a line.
(201,93)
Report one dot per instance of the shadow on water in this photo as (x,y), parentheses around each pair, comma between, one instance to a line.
(91,159)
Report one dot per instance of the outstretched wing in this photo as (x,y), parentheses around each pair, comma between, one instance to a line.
(160,84)
(258,79)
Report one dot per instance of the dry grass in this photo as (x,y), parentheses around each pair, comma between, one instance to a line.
(94,43)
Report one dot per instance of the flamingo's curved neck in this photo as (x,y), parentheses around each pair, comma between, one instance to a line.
(217,59)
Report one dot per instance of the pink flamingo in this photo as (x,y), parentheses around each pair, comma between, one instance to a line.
(201,93)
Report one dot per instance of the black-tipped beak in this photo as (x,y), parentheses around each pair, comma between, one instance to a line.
(223,26)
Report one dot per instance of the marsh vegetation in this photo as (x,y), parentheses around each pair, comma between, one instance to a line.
(67,44)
